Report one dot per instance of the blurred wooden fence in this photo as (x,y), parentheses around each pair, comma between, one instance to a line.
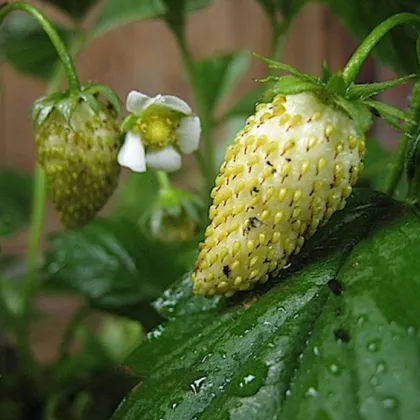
(143,56)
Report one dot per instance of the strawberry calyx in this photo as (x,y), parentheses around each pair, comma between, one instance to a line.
(354,99)
(65,103)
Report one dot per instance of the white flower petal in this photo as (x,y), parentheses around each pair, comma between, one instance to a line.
(137,102)
(174,103)
(131,154)
(188,134)
(167,159)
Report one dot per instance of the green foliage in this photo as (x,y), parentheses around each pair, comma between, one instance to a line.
(398,49)
(217,75)
(115,266)
(15,200)
(27,48)
(324,343)
(287,8)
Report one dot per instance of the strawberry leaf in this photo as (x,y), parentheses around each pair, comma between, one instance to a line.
(289,85)
(325,342)
(393,116)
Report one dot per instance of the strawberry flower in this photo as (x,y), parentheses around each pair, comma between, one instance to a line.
(160,130)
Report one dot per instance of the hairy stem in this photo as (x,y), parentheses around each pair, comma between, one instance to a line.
(64,55)
(365,48)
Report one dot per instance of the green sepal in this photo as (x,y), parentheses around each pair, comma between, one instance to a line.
(65,108)
(90,100)
(42,107)
(392,115)
(128,122)
(108,93)
(287,85)
(326,73)
(365,91)
(288,68)
(357,111)
(336,85)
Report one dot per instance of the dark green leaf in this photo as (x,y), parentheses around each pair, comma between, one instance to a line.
(15,200)
(290,85)
(358,112)
(107,92)
(75,8)
(217,75)
(393,116)
(26,46)
(364,91)
(325,343)
(112,264)
(398,49)
(336,84)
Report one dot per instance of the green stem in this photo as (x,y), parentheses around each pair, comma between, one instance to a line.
(394,177)
(78,315)
(164,181)
(65,57)
(208,164)
(365,48)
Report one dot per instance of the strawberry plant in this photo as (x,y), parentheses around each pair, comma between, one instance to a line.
(281,284)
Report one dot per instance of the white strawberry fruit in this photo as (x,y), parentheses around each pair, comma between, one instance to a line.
(289,170)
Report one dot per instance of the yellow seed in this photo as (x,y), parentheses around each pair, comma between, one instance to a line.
(339,147)
(269,193)
(322,163)
(223,235)
(272,266)
(214,192)
(255,200)
(279,99)
(318,185)
(272,147)
(312,141)
(211,291)
(338,169)
(316,116)
(328,213)
(296,212)
(252,160)
(297,195)
(232,227)
(204,265)
(210,277)
(296,226)
(352,141)
(235,265)
(276,237)
(218,220)
(250,245)
(239,186)
(341,204)
(286,169)
(252,183)
(228,211)
(236,247)
(260,107)
(346,191)
(231,151)
(284,119)
(282,194)
(220,180)
(262,238)
(290,144)
(314,223)
(278,110)
(211,243)
(250,140)
(209,231)
(279,216)
(316,200)
(253,274)
(238,209)
(222,285)
(237,169)
(238,280)
(288,245)
(304,167)
(253,261)
(264,117)
(362,148)
(329,129)
(270,253)
(267,173)
(262,140)
(264,215)
(296,120)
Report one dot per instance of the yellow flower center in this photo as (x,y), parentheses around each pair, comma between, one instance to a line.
(157,127)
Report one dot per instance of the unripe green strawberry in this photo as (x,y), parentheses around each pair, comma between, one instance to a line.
(79,157)
(288,171)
